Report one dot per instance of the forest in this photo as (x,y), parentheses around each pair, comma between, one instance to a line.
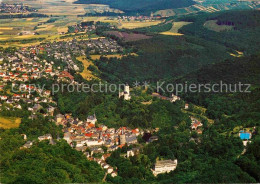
(161,57)
(44,163)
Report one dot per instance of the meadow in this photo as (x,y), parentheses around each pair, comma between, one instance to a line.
(86,74)
(213,26)
(118,56)
(175,28)
(8,122)
(128,37)
(137,24)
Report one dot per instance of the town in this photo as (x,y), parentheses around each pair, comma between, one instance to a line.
(90,91)
(25,65)
(15,8)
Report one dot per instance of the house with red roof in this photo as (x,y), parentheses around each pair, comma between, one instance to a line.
(195,125)
(65,74)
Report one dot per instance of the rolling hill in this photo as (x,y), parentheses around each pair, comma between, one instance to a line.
(140,6)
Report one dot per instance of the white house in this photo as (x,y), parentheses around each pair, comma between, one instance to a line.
(94,142)
(67,136)
(164,166)
(132,152)
(113,174)
(110,170)
(45,137)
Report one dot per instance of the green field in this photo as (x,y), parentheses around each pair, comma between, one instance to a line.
(212,25)
(175,28)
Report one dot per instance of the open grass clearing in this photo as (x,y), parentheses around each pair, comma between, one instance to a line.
(137,24)
(9,122)
(118,56)
(237,54)
(174,31)
(213,26)
(86,74)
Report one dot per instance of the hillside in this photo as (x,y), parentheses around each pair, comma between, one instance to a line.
(234,108)
(140,5)
(243,36)
(244,69)
(44,163)
(161,57)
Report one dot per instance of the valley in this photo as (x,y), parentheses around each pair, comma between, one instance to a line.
(116,91)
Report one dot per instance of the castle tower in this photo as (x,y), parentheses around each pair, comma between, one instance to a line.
(125,93)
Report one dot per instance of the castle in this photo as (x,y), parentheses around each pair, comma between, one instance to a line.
(125,93)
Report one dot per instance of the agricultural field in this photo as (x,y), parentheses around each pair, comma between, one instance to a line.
(118,56)
(128,37)
(21,32)
(175,28)
(86,74)
(213,26)
(61,8)
(137,24)
(9,122)
(165,13)
(209,6)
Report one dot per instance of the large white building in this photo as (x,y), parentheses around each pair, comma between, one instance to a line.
(164,166)
(125,93)
(45,137)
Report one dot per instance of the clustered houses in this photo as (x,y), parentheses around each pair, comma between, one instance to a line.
(15,8)
(82,134)
(45,137)
(88,27)
(138,18)
(196,125)
(104,165)
(85,134)
(64,50)
(22,67)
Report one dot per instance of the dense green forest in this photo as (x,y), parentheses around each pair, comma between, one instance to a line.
(214,159)
(241,108)
(162,57)
(116,112)
(166,26)
(44,163)
(171,57)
